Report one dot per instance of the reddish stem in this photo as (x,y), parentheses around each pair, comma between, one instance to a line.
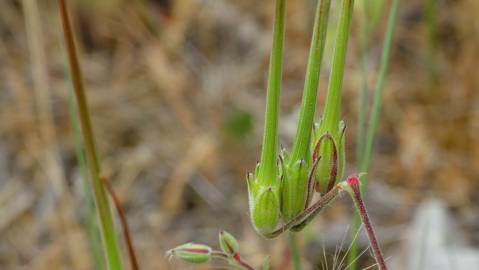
(355,192)
(236,257)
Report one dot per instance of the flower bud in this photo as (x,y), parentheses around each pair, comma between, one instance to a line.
(294,189)
(228,243)
(263,203)
(330,147)
(192,253)
(264,208)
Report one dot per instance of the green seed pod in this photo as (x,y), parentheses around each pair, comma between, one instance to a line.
(228,243)
(293,189)
(330,148)
(192,253)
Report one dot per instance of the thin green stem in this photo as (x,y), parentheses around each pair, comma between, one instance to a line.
(378,94)
(365,159)
(268,171)
(308,104)
(333,99)
(112,254)
(93,233)
(364,43)
(361,133)
(293,247)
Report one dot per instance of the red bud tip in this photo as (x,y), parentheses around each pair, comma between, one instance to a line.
(353,181)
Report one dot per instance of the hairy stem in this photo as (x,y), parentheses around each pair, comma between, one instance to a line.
(354,191)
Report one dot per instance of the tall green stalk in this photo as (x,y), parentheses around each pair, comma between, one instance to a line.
(332,110)
(332,151)
(365,159)
(379,90)
(264,184)
(302,141)
(268,170)
(364,44)
(110,244)
(295,168)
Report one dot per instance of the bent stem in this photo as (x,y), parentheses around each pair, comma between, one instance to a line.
(112,254)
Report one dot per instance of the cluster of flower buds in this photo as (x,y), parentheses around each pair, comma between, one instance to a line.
(199,253)
(296,182)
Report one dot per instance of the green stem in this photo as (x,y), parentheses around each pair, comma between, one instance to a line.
(378,94)
(333,100)
(293,247)
(268,171)
(364,43)
(93,233)
(110,244)
(365,160)
(308,104)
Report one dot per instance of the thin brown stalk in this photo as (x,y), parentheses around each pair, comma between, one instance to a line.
(112,254)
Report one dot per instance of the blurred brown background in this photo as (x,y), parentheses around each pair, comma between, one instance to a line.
(177,90)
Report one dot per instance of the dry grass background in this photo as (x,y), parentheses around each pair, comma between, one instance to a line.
(176,89)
